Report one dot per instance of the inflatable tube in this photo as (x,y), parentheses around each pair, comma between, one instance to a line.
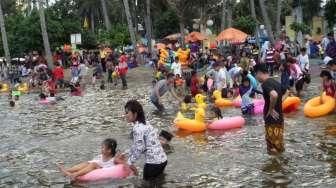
(46,101)
(314,108)
(257,102)
(227,123)
(190,125)
(24,88)
(291,104)
(259,109)
(237,102)
(4,88)
(219,101)
(114,172)
(223,103)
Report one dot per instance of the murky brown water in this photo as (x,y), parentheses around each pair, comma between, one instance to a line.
(33,138)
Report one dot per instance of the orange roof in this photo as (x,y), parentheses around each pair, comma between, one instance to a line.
(232,35)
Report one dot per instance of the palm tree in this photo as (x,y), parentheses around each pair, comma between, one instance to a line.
(91,9)
(129,22)
(180,7)
(254,16)
(223,15)
(266,21)
(149,25)
(4,36)
(45,34)
(278,17)
(106,18)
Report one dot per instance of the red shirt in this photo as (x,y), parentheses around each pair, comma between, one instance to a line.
(329,87)
(58,73)
(122,68)
(194,86)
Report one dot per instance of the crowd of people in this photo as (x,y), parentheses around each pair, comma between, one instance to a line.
(272,71)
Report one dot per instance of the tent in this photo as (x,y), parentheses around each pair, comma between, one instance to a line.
(232,35)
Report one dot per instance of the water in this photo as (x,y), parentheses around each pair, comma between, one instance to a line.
(34,138)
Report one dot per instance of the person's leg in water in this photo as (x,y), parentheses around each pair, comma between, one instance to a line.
(123,80)
(274,139)
(159,106)
(109,76)
(79,170)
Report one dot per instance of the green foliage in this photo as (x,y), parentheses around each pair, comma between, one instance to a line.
(117,36)
(305,29)
(245,24)
(167,23)
(330,13)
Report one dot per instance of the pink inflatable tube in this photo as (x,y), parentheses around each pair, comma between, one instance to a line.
(257,102)
(45,101)
(227,123)
(259,109)
(114,172)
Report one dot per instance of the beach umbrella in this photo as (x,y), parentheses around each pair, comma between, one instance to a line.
(232,35)
(195,36)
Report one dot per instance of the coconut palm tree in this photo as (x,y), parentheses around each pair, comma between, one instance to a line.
(266,20)
(254,16)
(223,15)
(129,22)
(4,35)
(106,18)
(91,9)
(149,25)
(278,16)
(45,34)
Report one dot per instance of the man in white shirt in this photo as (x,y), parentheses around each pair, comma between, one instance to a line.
(220,76)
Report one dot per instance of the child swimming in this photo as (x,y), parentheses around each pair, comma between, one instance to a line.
(108,158)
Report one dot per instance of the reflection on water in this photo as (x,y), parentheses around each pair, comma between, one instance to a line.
(34,138)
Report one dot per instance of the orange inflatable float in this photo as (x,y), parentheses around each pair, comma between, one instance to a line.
(219,101)
(192,125)
(291,104)
(317,107)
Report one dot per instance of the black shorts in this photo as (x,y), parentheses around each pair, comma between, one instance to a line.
(152,171)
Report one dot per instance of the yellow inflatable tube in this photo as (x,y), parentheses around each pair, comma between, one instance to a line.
(313,108)
(24,88)
(4,88)
(192,125)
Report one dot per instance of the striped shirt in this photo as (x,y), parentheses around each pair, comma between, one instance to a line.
(270,55)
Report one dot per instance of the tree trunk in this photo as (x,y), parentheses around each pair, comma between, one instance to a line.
(149,25)
(4,36)
(278,17)
(45,35)
(266,21)
(299,19)
(129,22)
(92,20)
(182,32)
(229,14)
(106,18)
(223,15)
(254,16)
